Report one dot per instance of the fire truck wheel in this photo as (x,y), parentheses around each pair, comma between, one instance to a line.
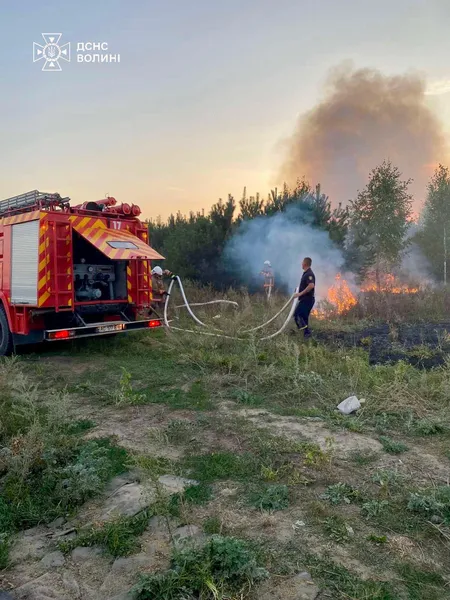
(6,341)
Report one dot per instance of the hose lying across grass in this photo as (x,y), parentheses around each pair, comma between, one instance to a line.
(292,301)
(210,302)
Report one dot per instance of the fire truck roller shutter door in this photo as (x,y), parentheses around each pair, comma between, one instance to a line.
(118,245)
(24,263)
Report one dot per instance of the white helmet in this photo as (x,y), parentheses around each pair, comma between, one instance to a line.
(157,271)
(267,262)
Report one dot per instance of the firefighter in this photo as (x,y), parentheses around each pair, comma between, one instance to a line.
(306,297)
(158,289)
(269,280)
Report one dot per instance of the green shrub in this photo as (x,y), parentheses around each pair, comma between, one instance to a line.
(391,446)
(247,399)
(430,427)
(337,529)
(435,501)
(340,493)
(47,478)
(225,567)
(270,498)
(374,508)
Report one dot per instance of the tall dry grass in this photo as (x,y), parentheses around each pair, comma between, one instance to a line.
(290,375)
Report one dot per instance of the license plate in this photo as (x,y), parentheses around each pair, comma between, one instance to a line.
(105,328)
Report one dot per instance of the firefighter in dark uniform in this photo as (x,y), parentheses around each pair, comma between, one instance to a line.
(306,297)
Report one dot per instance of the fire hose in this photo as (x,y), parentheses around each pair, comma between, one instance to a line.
(210,302)
(292,300)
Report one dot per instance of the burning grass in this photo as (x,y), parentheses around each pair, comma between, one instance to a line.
(388,284)
(387,295)
(339,301)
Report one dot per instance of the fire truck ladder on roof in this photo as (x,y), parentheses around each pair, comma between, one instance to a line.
(31,199)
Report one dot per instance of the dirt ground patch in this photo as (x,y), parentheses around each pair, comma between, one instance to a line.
(310,429)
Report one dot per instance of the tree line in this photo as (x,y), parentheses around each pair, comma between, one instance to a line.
(374,230)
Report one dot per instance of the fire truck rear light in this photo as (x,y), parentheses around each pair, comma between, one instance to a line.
(126,209)
(135,209)
(64,334)
(154,323)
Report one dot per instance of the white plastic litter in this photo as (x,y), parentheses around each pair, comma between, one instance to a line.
(349,405)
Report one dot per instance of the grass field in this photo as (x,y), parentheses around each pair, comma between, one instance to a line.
(292,497)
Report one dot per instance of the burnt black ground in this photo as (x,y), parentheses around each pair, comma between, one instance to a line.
(424,345)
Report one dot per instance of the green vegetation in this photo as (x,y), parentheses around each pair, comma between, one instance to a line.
(340,493)
(435,501)
(379,219)
(37,489)
(224,567)
(47,469)
(118,538)
(421,584)
(221,465)
(347,585)
(270,498)
(337,529)
(377,539)
(195,494)
(212,526)
(374,508)
(433,236)
(4,550)
(391,446)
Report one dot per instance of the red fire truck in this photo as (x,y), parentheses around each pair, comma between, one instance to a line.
(71,271)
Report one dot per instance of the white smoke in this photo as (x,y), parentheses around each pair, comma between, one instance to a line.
(414,267)
(284,240)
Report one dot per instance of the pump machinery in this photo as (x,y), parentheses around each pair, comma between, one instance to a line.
(72,271)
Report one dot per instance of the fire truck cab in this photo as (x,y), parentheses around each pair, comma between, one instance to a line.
(68,272)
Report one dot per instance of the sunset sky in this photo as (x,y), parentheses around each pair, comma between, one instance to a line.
(204,94)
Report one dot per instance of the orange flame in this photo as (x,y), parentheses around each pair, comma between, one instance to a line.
(388,284)
(340,299)
(341,295)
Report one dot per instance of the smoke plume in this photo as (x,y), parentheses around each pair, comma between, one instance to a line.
(284,239)
(365,118)
(414,267)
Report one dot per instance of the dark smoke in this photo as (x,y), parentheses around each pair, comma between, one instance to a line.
(365,118)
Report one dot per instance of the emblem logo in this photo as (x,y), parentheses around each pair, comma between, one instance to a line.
(52,52)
